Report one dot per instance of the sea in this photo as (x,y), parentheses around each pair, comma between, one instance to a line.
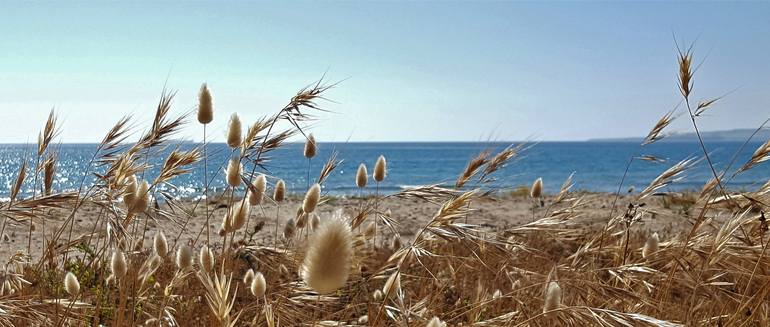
(597,166)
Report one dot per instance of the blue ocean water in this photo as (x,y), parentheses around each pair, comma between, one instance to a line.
(598,166)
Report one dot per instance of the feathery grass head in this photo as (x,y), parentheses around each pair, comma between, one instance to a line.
(537,189)
(248,277)
(435,322)
(289,228)
(49,170)
(393,285)
(206,258)
(312,197)
(238,215)
(361,176)
(118,264)
(258,285)
(129,195)
(234,168)
(159,244)
(234,131)
(315,221)
(280,191)
(141,198)
(184,257)
(71,284)
(256,195)
(330,251)
(380,169)
(377,295)
(310,147)
(301,221)
(651,246)
(552,296)
(205,105)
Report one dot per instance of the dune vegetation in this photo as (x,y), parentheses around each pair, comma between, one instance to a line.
(353,268)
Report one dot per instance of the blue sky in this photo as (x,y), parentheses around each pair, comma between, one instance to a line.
(420,71)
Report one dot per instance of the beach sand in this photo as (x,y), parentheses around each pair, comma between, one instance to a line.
(493,214)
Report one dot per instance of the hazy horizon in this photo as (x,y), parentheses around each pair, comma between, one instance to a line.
(427,71)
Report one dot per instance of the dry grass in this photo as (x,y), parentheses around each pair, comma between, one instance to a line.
(549,271)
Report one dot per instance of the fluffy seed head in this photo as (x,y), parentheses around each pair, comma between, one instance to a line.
(435,322)
(227,224)
(159,244)
(537,189)
(234,172)
(205,105)
(130,192)
(312,197)
(552,297)
(206,258)
(141,197)
(377,295)
(184,257)
(361,176)
(118,264)
(248,277)
(289,228)
(260,183)
(238,214)
(71,284)
(258,285)
(310,147)
(330,251)
(280,191)
(651,246)
(393,285)
(234,131)
(380,168)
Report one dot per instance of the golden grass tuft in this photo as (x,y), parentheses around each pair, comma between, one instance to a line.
(380,169)
(329,255)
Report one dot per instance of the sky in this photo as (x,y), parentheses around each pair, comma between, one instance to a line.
(408,71)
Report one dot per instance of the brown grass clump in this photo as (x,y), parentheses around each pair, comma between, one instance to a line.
(330,252)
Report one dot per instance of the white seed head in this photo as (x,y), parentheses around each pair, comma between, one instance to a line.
(362,176)
(71,284)
(141,197)
(184,257)
(312,197)
(435,322)
(380,169)
(205,105)
(255,197)
(234,172)
(310,147)
(377,295)
(258,285)
(234,131)
(280,191)
(289,228)
(537,189)
(118,264)
(248,277)
(130,192)
(552,297)
(330,251)
(206,258)
(651,246)
(239,213)
(159,244)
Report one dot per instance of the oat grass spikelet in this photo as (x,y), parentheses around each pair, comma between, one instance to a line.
(552,297)
(362,176)
(205,105)
(330,251)
(392,286)
(234,131)
(312,197)
(380,169)
(71,284)
(234,172)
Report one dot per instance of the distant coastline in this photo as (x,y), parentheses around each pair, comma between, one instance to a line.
(733,135)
